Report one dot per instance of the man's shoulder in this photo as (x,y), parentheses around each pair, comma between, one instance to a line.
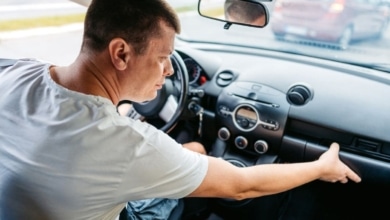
(8,62)
(4,62)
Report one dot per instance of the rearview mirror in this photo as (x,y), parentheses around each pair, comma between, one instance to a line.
(244,12)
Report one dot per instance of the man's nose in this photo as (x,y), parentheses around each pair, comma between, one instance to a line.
(168,70)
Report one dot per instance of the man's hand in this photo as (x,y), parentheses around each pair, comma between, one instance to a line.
(334,169)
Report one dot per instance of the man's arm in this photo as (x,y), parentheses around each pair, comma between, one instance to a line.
(195,146)
(228,181)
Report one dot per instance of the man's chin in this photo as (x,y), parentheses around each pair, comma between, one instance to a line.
(146,98)
(151,98)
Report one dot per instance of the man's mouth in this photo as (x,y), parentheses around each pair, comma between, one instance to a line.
(159,86)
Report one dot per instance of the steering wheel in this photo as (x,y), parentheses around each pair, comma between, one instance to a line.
(165,110)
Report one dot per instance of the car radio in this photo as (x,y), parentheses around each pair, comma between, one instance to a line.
(252,116)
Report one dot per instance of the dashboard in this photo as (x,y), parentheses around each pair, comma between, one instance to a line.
(268,107)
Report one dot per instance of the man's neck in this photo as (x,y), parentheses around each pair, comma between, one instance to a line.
(89,76)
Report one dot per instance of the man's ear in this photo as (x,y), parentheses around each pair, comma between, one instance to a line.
(120,53)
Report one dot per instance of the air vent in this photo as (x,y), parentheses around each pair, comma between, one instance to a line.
(367,145)
(225,78)
(299,95)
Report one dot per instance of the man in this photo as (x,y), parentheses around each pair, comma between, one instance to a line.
(66,153)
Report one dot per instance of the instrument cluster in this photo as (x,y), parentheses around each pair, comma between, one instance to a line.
(196,74)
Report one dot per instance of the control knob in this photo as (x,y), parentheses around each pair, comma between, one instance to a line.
(241,142)
(223,134)
(261,146)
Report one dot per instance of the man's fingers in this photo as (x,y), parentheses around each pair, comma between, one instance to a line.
(350,174)
(344,180)
(335,146)
(353,176)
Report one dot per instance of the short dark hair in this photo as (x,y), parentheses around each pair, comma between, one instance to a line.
(244,11)
(135,21)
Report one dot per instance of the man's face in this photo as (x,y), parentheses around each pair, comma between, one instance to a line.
(147,72)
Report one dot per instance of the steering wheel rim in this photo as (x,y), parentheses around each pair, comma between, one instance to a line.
(152,108)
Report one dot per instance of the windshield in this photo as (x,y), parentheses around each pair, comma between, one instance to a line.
(348,31)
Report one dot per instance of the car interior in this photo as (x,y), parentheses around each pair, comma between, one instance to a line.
(257,114)
(250,106)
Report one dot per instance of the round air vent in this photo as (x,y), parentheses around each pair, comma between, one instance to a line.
(225,78)
(299,95)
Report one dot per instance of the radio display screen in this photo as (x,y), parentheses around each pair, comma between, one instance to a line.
(246,113)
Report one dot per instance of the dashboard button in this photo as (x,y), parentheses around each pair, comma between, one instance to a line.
(224,134)
(261,146)
(241,142)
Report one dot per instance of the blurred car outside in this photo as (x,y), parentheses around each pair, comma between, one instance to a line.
(334,22)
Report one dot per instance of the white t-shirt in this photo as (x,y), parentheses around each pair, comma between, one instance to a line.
(68,155)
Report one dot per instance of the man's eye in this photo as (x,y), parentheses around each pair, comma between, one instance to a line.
(163,59)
